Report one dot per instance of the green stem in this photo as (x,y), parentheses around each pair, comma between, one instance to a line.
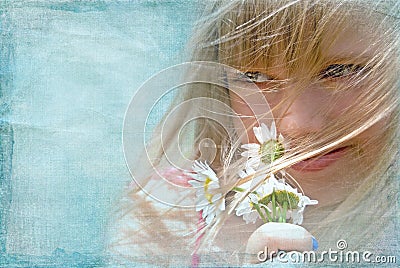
(285,205)
(273,206)
(280,219)
(238,189)
(267,213)
(260,212)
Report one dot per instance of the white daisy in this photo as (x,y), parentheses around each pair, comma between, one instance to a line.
(296,202)
(270,147)
(297,214)
(270,185)
(209,197)
(246,207)
(247,210)
(288,202)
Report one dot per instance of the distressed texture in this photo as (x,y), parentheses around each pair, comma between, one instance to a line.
(68,70)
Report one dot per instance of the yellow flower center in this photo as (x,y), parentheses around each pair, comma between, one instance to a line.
(281,196)
(207,195)
(285,196)
(270,151)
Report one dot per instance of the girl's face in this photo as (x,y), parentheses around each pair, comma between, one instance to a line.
(319,104)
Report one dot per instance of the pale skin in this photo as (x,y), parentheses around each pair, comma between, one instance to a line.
(302,116)
(353,45)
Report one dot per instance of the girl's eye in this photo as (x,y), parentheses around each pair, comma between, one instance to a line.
(256,77)
(340,70)
(264,82)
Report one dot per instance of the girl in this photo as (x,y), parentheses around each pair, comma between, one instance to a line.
(328,71)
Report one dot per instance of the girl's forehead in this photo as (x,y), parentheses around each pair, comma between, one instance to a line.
(346,42)
(296,40)
(351,41)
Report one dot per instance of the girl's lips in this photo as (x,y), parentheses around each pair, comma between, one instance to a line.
(320,162)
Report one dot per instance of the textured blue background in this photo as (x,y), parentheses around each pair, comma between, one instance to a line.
(68,70)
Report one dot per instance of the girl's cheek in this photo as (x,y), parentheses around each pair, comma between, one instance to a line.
(377,130)
(253,105)
(350,99)
(343,100)
(245,119)
(275,100)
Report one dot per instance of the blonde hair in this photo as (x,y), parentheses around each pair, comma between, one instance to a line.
(244,33)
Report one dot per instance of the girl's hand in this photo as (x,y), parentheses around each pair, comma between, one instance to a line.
(272,237)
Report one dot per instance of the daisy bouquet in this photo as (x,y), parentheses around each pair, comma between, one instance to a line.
(257,196)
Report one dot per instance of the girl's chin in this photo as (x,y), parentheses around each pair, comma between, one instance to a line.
(322,162)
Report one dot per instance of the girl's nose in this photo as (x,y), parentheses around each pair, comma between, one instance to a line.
(303,112)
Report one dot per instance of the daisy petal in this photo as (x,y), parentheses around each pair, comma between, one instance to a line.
(273,131)
(222,205)
(251,146)
(253,198)
(216,197)
(254,162)
(265,133)
(195,184)
(242,174)
(250,171)
(209,219)
(256,180)
(258,134)
(250,153)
